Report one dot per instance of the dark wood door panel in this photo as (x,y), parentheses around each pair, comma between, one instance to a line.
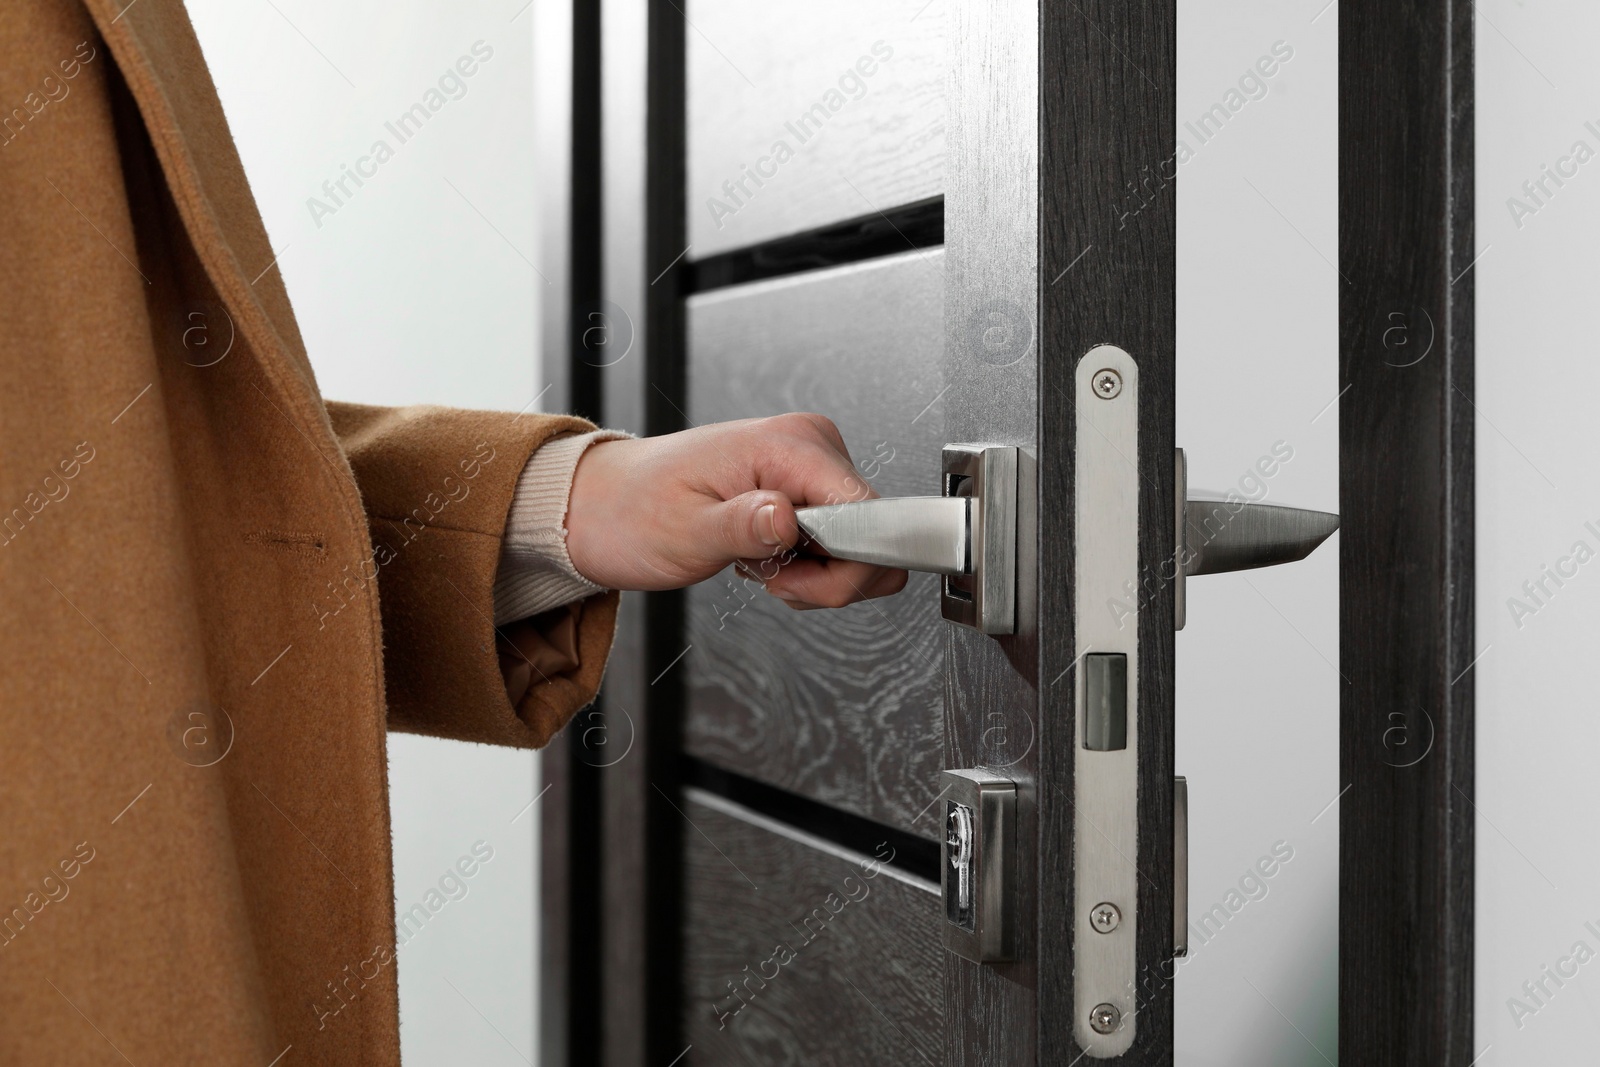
(844,707)
(860,733)
(799,952)
(803,113)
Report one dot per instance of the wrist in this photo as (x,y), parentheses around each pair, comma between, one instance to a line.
(588,502)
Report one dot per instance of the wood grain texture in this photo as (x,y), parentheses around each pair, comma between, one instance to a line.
(1108,110)
(1406,245)
(992,362)
(1053,111)
(843,707)
(860,981)
(755,69)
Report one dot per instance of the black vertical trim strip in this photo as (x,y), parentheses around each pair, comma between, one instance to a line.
(666,400)
(585,281)
(585,247)
(1406,544)
(1108,107)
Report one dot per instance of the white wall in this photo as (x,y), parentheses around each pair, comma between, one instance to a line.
(1257,682)
(417,288)
(1538,486)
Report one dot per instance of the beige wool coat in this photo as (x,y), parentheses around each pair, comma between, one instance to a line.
(219,592)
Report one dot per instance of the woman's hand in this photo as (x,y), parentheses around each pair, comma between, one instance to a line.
(666,512)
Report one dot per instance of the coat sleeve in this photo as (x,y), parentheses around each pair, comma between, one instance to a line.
(437,485)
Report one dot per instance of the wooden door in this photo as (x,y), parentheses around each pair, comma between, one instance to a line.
(914,218)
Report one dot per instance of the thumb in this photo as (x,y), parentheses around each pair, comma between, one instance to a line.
(752,525)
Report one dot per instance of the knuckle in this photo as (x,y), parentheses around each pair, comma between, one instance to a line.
(823,424)
(812,426)
(837,597)
(794,422)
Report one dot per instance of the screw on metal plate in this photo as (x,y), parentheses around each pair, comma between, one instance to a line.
(1107,384)
(1105,917)
(1105,1018)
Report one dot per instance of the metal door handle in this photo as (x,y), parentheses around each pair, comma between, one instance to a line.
(1218,533)
(931,533)
(1222,537)
(969,534)
(914,533)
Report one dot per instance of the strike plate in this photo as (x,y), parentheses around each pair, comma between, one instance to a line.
(1105,779)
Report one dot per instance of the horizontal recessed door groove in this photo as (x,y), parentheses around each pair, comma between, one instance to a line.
(817,825)
(904,229)
(797,952)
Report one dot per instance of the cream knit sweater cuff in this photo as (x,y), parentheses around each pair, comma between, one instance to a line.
(535,572)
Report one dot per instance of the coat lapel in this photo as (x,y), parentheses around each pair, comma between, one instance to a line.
(159,56)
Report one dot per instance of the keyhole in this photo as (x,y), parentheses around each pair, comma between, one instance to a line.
(959,843)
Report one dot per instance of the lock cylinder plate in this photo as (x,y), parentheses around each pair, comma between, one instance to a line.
(978,868)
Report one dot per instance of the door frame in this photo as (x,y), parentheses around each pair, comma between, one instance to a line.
(612,123)
(1406,461)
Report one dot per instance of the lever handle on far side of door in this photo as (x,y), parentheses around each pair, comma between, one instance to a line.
(1217,533)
